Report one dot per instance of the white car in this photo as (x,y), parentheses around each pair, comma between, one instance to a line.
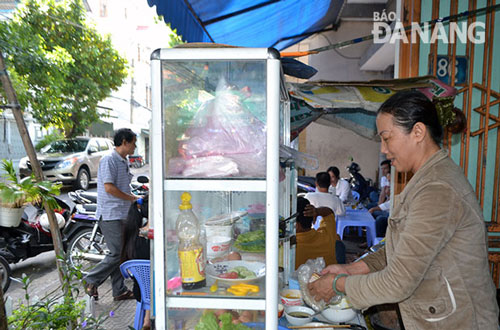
(72,161)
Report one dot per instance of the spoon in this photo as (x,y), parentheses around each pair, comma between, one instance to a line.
(214,286)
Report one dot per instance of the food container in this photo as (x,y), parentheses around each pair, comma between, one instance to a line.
(339,312)
(213,272)
(291,314)
(281,309)
(290,297)
(216,230)
(217,246)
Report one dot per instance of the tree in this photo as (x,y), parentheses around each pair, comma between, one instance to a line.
(61,67)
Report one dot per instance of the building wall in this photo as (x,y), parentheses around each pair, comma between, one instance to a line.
(335,145)
(479,159)
(135,33)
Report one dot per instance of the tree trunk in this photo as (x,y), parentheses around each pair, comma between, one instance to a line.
(3,315)
(35,165)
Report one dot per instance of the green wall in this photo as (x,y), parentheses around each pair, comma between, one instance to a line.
(444,11)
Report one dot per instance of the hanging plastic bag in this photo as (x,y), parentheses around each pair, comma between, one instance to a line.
(223,126)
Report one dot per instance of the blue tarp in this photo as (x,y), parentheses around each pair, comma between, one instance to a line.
(248,23)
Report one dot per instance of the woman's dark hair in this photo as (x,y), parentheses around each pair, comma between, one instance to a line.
(130,229)
(410,107)
(334,170)
(123,134)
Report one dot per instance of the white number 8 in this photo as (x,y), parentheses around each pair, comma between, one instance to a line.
(442,69)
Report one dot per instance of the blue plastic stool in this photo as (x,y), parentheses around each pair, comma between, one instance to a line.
(140,270)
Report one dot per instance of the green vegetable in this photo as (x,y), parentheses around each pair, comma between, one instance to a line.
(243,272)
(208,321)
(227,321)
(252,241)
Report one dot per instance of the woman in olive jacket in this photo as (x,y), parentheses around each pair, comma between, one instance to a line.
(435,261)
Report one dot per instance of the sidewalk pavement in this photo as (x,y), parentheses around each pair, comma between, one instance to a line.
(116,314)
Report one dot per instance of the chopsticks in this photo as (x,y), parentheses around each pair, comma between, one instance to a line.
(332,326)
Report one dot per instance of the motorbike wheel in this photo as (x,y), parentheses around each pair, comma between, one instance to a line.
(85,254)
(5,273)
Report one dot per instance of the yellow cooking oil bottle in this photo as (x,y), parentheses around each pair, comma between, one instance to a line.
(190,250)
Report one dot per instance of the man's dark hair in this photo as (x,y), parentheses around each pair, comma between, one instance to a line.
(386,162)
(123,134)
(305,222)
(323,179)
(334,170)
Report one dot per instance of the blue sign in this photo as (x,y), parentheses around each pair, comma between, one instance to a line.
(444,67)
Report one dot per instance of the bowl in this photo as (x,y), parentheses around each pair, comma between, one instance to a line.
(291,297)
(339,312)
(298,320)
(214,271)
(218,246)
(281,309)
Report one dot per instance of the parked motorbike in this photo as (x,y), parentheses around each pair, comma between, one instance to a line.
(306,184)
(30,238)
(358,182)
(86,245)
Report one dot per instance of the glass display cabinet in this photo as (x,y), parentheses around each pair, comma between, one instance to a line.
(219,117)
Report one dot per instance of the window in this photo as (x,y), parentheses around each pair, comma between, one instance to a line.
(103,145)
(103,8)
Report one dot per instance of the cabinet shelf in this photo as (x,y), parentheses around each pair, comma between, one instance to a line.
(216,303)
(255,185)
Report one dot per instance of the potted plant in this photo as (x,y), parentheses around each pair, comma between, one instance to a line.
(16,193)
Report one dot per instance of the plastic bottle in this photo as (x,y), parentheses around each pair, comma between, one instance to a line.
(190,250)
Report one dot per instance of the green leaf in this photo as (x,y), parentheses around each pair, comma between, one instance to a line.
(61,68)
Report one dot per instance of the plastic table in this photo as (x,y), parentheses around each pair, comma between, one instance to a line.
(357,218)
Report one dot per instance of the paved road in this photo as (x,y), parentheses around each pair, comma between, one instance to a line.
(44,279)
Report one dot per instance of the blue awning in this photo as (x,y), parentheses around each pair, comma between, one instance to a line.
(248,23)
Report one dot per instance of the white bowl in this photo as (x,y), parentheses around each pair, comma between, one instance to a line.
(290,300)
(298,320)
(214,270)
(218,246)
(337,313)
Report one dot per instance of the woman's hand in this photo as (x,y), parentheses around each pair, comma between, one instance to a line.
(335,269)
(322,289)
(310,211)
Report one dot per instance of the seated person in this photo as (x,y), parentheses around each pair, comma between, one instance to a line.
(376,197)
(322,198)
(381,214)
(381,211)
(135,246)
(311,243)
(339,186)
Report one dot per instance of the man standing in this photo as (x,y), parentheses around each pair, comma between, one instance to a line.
(113,201)
(339,187)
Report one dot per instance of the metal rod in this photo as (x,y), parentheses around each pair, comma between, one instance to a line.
(472,5)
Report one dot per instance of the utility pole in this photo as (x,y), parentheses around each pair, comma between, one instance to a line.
(132,92)
(35,165)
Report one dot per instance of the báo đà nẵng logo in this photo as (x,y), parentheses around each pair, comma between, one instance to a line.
(429,32)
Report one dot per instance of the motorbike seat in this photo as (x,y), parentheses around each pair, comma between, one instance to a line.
(91,196)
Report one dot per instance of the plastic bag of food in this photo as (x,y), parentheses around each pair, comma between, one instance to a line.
(224,126)
(307,273)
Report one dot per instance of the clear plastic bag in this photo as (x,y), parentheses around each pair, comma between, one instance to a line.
(307,273)
(224,126)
